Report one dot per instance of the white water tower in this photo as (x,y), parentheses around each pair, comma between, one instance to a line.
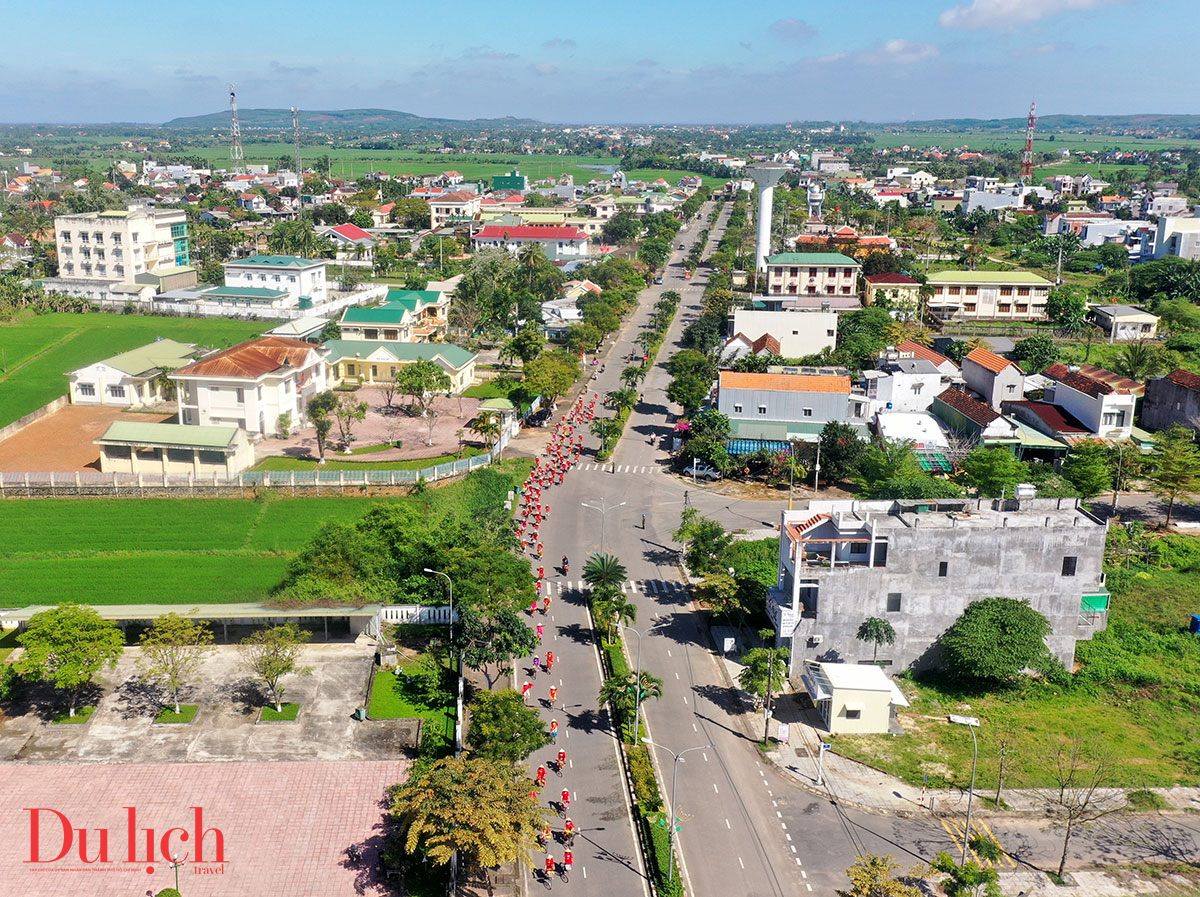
(765,176)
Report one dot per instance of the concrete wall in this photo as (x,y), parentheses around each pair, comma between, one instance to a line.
(799,333)
(785,406)
(1167,403)
(1009,384)
(1017,562)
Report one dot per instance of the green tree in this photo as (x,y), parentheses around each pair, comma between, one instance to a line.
(1175,467)
(877,631)
(492,638)
(764,670)
(422,380)
(1088,468)
(621,228)
(173,651)
(270,654)
(66,646)
(623,399)
(600,315)
(321,409)
(1140,360)
(633,375)
(994,640)
(504,728)
(583,338)
(551,374)
(842,450)
(608,430)
(968,880)
(348,411)
(527,344)
(887,459)
(1036,353)
(689,390)
(611,608)
(487,426)
(1066,308)
(706,543)
(875,876)
(331,330)
(604,570)
(992,470)
(472,806)
(623,692)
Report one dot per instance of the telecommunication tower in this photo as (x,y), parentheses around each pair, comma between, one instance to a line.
(1027,156)
(236,156)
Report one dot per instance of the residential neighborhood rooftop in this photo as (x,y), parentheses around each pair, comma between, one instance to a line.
(183,435)
(990,360)
(785,382)
(988,277)
(277,261)
(810,258)
(251,359)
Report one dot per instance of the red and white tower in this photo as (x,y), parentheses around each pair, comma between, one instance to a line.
(1027,155)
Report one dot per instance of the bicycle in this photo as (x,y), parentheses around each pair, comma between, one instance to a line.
(565,871)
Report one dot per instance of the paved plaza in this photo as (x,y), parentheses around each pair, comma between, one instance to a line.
(284,827)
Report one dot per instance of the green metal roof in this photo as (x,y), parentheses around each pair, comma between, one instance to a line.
(138,433)
(784,431)
(1031,438)
(258,294)
(810,258)
(174,269)
(497,404)
(413,300)
(278,261)
(999,277)
(362,349)
(384,314)
(164,353)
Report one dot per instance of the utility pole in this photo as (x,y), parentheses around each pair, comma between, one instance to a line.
(236,156)
(971,723)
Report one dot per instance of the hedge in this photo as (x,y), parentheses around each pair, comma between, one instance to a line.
(659,840)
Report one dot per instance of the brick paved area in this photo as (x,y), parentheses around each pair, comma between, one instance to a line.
(286,827)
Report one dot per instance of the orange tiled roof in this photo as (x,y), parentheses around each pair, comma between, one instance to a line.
(990,360)
(919,351)
(786,382)
(251,359)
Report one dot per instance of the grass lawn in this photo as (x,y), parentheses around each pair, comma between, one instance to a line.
(409,695)
(1136,691)
(39,350)
(501,388)
(82,715)
(281,463)
(287,715)
(8,643)
(187,713)
(177,550)
(372,449)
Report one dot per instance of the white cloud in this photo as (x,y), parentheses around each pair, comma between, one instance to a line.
(794,29)
(541,68)
(1007,13)
(1038,49)
(899,51)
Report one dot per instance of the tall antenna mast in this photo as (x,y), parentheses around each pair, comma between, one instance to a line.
(1027,156)
(235,151)
(296,136)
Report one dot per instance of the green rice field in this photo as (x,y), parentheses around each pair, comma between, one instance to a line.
(36,352)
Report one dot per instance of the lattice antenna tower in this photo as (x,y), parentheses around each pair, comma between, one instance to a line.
(1027,155)
(236,156)
(296,137)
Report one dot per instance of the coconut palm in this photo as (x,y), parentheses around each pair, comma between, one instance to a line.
(604,570)
(607,429)
(633,375)
(623,399)
(623,692)
(487,426)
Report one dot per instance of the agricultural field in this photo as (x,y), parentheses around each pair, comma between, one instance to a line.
(175,551)
(37,351)
(985,140)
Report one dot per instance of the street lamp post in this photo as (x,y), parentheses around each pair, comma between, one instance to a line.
(637,682)
(674,782)
(450,584)
(603,509)
(971,723)
(175,864)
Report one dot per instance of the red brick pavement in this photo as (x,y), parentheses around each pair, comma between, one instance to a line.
(286,827)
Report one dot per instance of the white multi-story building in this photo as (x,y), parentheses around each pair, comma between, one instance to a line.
(811,274)
(252,385)
(116,246)
(1179,237)
(988,295)
(556,242)
(299,278)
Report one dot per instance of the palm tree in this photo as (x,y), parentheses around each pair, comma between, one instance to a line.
(604,570)
(487,426)
(1139,360)
(623,691)
(607,429)
(633,375)
(532,259)
(611,608)
(623,399)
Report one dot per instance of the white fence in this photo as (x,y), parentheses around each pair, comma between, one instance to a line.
(417,613)
(43,485)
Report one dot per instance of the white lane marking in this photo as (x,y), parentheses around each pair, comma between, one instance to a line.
(694,729)
(668,652)
(798,863)
(654,584)
(705,756)
(584,868)
(793,846)
(740,863)
(715,791)
(777,813)
(676,675)
(807,885)
(789,837)
(774,803)
(783,825)
(685,699)
(727,825)
(571,764)
(803,874)
(567,732)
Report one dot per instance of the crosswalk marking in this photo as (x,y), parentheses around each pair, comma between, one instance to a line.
(647,587)
(622,468)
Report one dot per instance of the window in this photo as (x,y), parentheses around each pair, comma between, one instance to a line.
(970,307)
(812,272)
(241,395)
(845,289)
(853,713)
(1004,308)
(1005,291)
(1069,564)
(737,409)
(85,389)
(116,239)
(893,602)
(943,568)
(831,333)
(808,412)
(374,372)
(762,409)
(134,237)
(858,547)
(350,369)
(1022,309)
(832,272)
(794,272)
(972,291)
(260,393)
(117,392)
(1022,291)
(66,235)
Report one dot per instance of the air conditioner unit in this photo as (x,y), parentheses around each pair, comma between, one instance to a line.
(815,640)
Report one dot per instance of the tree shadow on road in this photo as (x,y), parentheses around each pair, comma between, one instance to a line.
(576,632)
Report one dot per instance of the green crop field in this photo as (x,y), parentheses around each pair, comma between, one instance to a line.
(176,551)
(36,352)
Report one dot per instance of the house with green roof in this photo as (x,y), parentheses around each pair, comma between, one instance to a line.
(812,274)
(374,362)
(155,449)
(988,295)
(407,316)
(295,276)
(135,378)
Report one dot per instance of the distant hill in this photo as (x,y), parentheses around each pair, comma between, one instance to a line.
(374,120)
(1096,123)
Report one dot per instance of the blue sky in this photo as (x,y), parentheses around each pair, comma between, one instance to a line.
(619,61)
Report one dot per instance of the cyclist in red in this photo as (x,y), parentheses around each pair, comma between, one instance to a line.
(545,604)
(549,661)
(569,830)
(549,864)
(553,693)
(567,858)
(541,776)
(562,759)
(566,799)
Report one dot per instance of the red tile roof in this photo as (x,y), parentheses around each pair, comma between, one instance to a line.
(970,408)
(529,232)
(892,278)
(786,382)
(1089,386)
(457,196)
(352,232)
(919,351)
(252,359)
(1119,383)
(1058,419)
(990,360)
(766,343)
(1186,379)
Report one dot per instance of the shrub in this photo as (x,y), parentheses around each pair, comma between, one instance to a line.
(659,840)
(645,785)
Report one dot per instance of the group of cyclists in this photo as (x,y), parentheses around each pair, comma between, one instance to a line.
(561,454)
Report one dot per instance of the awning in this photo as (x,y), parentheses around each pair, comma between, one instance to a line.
(854,705)
(1095,603)
(1031,438)
(815,690)
(898,699)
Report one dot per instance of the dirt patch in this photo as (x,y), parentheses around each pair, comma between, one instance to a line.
(63,440)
